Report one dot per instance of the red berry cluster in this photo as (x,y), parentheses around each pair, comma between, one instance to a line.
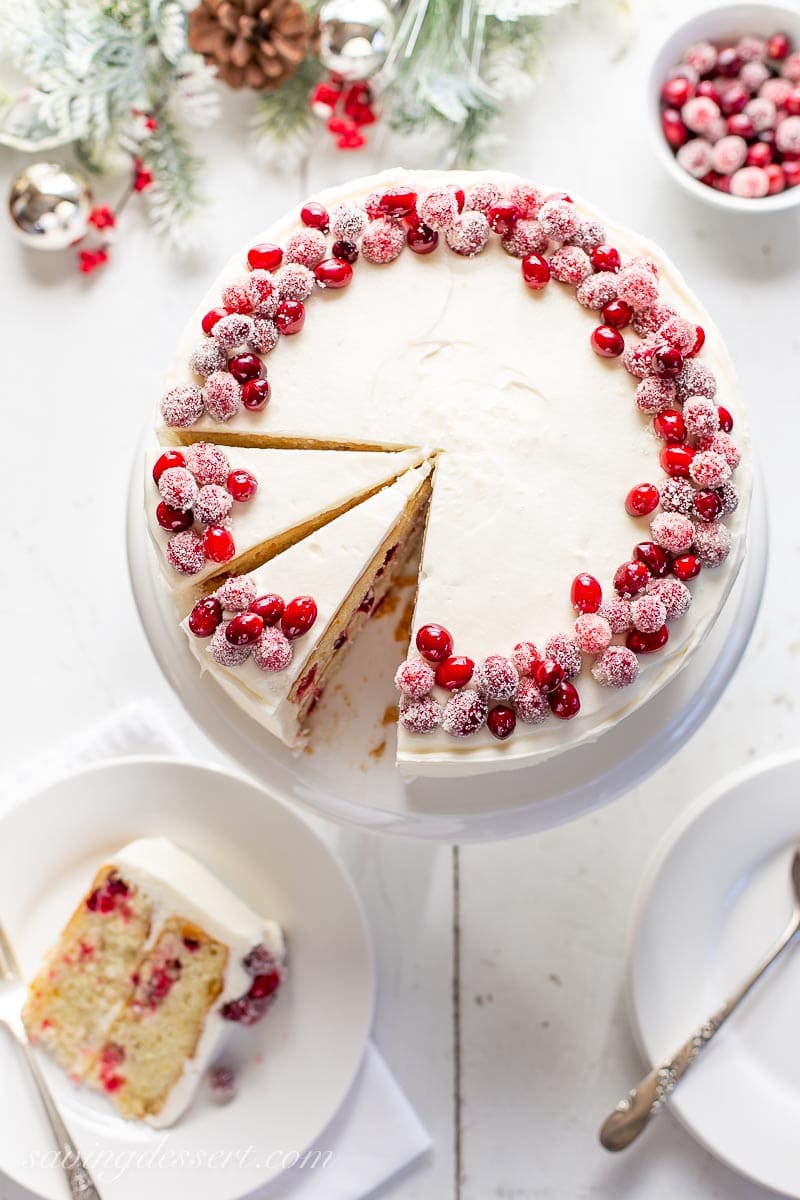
(267,976)
(347,110)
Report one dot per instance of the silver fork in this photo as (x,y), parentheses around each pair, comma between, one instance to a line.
(12,998)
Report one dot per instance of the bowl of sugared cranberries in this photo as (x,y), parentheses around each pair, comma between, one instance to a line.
(725,106)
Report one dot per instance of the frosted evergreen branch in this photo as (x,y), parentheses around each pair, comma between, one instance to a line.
(283,125)
(176,197)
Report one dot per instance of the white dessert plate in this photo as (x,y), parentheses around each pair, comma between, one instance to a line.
(714,900)
(294,1069)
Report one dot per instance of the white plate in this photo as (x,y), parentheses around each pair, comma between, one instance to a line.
(714,901)
(294,1069)
(351,775)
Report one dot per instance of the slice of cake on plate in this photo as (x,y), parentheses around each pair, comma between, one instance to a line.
(143,985)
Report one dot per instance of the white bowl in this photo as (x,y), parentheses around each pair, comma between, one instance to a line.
(714,25)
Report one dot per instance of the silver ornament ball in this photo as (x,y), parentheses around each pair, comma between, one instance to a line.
(49,206)
(355,37)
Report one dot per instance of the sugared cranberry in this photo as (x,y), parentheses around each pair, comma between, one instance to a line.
(729,62)
(535,271)
(333,273)
(454,672)
(298,616)
(725,419)
(242,485)
(607,341)
(501,721)
(586,594)
(685,566)
(564,701)
(778,46)
(617,314)
(269,607)
(503,217)
(212,316)
(170,458)
(205,617)
(605,257)
(670,426)
(434,643)
(791,171)
(676,460)
(290,316)
(646,643)
(315,216)
(699,342)
(707,505)
(397,202)
(631,578)
(677,91)
(256,394)
(422,239)
(218,544)
(244,629)
(667,362)
(733,99)
(706,88)
(264,257)
(244,367)
(642,500)
(548,674)
(654,558)
(740,125)
(172,519)
(673,128)
(346,251)
(792,102)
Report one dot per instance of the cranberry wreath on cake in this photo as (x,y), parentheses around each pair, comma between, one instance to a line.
(483,378)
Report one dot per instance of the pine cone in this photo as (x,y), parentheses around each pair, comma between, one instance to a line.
(252,43)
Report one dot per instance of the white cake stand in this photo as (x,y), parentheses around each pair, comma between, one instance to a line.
(350,776)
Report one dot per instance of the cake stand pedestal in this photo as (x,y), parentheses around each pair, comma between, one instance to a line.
(350,775)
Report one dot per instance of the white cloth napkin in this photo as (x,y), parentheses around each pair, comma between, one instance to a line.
(376,1133)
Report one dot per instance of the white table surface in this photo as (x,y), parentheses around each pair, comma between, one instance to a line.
(502,1015)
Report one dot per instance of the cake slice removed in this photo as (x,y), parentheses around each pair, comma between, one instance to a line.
(155,964)
(309,603)
(214,510)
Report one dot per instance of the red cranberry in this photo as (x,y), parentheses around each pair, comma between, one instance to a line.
(617,313)
(242,485)
(725,419)
(670,426)
(205,617)
(218,544)
(792,102)
(548,674)
(759,154)
(397,202)
(729,62)
(346,251)
(212,316)
(777,179)
(740,125)
(264,257)
(434,643)
(631,578)
(700,341)
(646,643)
(315,216)
(676,460)
(642,500)
(733,99)
(535,271)
(501,721)
(605,257)
(607,341)
(722,183)
(333,273)
(290,316)
(654,558)
(460,199)
(706,88)
(791,171)
(667,361)
(586,594)
(707,505)
(422,239)
(256,394)
(244,629)
(503,217)
(172,519)
(170,458)
(673,128)
(676,92)
(686,567)
(564,701)
(244,367)
(454,672)
(264,985)
(269,607)
(778,46)
(298,616)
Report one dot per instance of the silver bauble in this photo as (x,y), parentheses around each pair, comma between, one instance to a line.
(49,206)
(354,37)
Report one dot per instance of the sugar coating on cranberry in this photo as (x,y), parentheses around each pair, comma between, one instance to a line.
(223,395)
(648,613)
(482,197)
(570,264)
(617,667)
(712,543)
(651,320)
(182,405)
(700,114)
(307,247)
(673,531)
(207,357)
(527,237)
(208,463)
(729,497)
(233,330)
(420,716)
(414,677)
(701,416)
(213,504)
(464,713)
(695,379)
(722,444)
(223,652)
(527,197)
(559,219)
(264,298)
(178,488)
(588,235)
(531,703)
(468,234)
(564,650)
(496,677)
(678,332)
(438,208)
(264,337)
(237,593)
(674,595)
(294,282)
(677,496)
(709,469)
(236,297)
(185,553)
(273,651)
(787,135)
(348,221)
(598,290)
(653,395)
(524,657)
(750,183)
(695,157)
(637,287)
(592,633)
(617,612)
(222,1084)
(638,357)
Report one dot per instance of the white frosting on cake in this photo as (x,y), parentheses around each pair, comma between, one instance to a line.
(541,441)
(177,885)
